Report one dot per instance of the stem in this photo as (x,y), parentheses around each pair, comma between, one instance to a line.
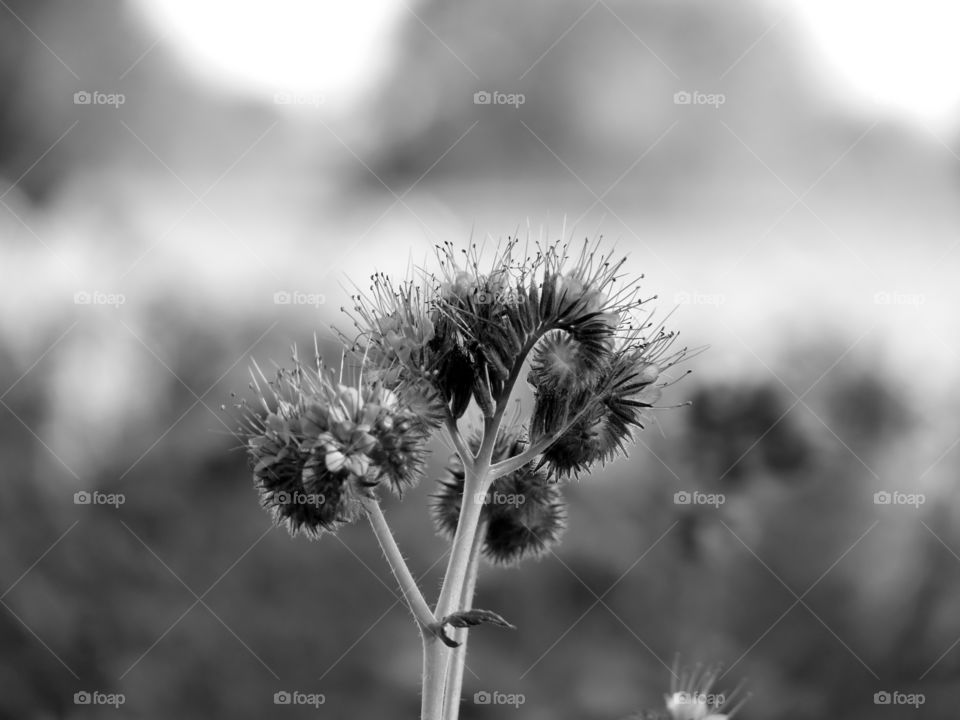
(477,480)
(408,585)
(475,486)
(434,678)
(451,709)
(450,593)
(432,669)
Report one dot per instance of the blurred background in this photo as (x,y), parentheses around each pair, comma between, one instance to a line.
(186,187)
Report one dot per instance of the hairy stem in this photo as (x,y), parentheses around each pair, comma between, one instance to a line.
(450,593)
(451,705)
(433,670)
(408,585)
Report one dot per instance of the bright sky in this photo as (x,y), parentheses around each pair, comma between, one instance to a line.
(900,55)
(327,48)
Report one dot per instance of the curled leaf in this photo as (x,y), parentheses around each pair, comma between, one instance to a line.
(471,618)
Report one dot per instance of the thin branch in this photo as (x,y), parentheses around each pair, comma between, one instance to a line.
(505,467)
(459,444)
(408,585)
(527,456)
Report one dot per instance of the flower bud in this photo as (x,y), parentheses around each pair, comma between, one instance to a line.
(524,513)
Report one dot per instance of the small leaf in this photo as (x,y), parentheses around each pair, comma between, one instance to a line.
(470,618)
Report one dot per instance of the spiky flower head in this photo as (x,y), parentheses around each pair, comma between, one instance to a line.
(318,447)
(523,513)
(599,412)
(443,340)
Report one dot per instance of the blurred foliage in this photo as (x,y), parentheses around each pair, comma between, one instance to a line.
(253,611)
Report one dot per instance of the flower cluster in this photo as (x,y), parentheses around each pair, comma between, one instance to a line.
(318,447)
(443,340)
(435,344)
(524,513)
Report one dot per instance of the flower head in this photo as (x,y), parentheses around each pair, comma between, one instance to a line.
(524,513)
(318,446)
(595,408)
